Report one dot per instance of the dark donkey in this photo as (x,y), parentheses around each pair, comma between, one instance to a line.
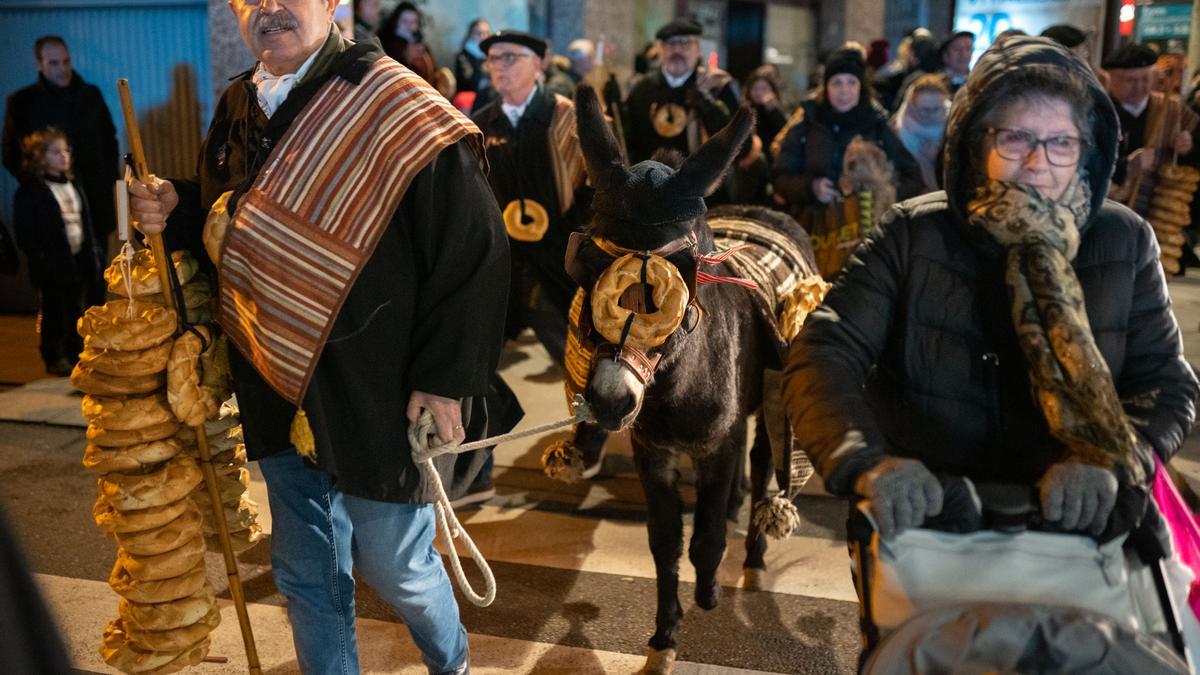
(690,393)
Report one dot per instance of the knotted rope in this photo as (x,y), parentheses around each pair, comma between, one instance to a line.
(419,438)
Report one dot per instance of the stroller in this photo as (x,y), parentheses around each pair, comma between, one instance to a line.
(1006,596)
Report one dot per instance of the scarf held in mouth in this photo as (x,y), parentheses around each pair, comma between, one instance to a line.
(1070,378)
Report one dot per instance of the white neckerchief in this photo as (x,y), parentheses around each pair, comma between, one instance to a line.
(1137,110)
(514,112)
(273,90)
(677,82)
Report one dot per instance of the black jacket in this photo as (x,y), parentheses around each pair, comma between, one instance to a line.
(714,112)
(815,146)
(520,166)
(914,351)
(42,236)
(79,111)
(426,312)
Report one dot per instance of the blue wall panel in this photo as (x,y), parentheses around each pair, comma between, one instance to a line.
(160,45)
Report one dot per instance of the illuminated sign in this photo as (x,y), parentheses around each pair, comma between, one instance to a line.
(988,18)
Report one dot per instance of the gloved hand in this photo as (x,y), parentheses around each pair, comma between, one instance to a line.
(1079,497)
(902,492)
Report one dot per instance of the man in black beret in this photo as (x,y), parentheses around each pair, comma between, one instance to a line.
(1145,141)
(681,104)
(956,52)
(537,176)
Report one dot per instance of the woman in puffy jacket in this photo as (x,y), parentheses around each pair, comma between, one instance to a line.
(1014,328)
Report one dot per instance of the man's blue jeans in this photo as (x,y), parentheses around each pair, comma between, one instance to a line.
(319,535)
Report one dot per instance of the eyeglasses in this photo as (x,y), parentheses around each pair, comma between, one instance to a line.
(507,58)
(1018,144)
(681,41)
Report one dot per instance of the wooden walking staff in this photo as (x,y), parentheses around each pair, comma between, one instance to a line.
(163,262)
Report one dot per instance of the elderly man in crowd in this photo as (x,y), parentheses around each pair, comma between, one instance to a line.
(1146,140)
(678,105)
(397,279)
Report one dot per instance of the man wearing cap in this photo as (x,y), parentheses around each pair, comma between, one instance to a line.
(537,176)
(681,104)
(1146,140)
(956,54)
(363,273)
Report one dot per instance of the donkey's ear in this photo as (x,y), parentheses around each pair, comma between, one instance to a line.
(701,173)
(600,148)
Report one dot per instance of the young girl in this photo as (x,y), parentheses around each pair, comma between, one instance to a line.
(53,228)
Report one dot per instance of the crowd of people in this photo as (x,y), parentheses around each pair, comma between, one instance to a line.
(464,260)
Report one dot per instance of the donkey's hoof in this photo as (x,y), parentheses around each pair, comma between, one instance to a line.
(708,595)
(753,579)
(659,661)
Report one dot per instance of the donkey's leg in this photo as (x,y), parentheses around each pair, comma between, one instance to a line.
(664,523)
(761,466)
(712,495)
(738,485)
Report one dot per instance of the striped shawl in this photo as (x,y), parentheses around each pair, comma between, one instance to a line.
(308,225)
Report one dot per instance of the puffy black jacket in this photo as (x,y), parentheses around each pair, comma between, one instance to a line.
(914,352)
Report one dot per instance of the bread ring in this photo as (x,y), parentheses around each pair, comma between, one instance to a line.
(144,277)
(1178,172)
(192,403)
(670,119)
(1169,251)
(1170,238)
(126,364)
(188,658)
(131,458)
(670,296)
(163,565)
(169,537)
(238,517)
(113,521)
(168,484)
(196,293)
(532,226)
(215,226)
(175,639)
(158,590)
(240,541)
(215,373)
(168,615)
(1170,217)
(91,382)
(1166,192)
(1172,206)
(117,652)
(230,487)
(1170,265)
(124,414)
(113,438)
(108,326)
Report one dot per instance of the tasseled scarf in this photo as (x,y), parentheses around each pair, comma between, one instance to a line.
(1070,378)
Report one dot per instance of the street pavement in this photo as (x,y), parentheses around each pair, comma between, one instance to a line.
(575,577)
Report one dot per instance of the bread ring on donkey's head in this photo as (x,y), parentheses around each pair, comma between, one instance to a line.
(126,325)
(670,295)
(192,402)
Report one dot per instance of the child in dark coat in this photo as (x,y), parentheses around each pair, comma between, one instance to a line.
(54,229)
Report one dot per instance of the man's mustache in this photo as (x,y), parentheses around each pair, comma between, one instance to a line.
(281,20)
